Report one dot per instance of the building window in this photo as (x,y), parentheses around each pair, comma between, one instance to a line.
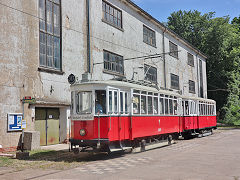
(113,62)
(190,59)
(50,34)
(111,14)
(191,86)
(149,36)
(173,49)
(150,73)
(174,81)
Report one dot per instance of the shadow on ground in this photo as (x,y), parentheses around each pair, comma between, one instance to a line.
(65,156)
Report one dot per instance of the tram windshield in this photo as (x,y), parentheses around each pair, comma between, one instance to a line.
(84,103)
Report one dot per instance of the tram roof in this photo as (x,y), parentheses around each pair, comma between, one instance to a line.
(121,84)
(198,99)
(91,85)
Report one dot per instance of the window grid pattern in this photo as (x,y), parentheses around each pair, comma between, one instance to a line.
(191,86)
(111,14)
(174,81)
(190,59)
(149,36)
(173,48)
(150,73)
(50,34)
(113,63)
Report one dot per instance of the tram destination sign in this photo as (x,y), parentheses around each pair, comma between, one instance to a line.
(82,117)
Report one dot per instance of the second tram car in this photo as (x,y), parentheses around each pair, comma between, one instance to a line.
(116,115)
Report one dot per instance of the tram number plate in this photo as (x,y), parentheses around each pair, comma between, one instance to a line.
(159,129)
(83,117)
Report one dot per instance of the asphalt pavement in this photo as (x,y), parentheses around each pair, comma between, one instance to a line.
(213,157)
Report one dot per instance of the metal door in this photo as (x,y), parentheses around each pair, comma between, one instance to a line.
(52,126)
(47,123)
(40,124)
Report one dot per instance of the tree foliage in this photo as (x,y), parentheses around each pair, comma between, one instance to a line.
(220,41)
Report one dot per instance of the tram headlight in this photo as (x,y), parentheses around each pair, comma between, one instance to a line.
(82,132)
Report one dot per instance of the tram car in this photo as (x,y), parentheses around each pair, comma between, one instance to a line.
(115,115)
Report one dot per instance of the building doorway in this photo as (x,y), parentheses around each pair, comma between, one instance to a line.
(47,123)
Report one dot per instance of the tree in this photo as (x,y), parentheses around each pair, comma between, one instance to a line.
(220,41)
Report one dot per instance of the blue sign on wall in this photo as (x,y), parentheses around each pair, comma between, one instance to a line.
(15,122)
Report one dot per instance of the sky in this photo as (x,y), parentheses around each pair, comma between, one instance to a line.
(161,9)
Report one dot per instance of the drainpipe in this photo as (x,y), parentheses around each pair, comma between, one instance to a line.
(164,60)
(88,36)
(198,74)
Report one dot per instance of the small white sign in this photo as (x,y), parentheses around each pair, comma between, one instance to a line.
(50,116)
(24,124)
(10,120)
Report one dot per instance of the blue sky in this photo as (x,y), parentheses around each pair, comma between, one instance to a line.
(161,9)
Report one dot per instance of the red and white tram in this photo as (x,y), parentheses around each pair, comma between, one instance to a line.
(116,115)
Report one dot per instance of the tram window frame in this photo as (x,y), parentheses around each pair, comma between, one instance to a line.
(162,105)
(102,101)
(121,100)
(143,104)
(126,103)
(171,106)
(150,105)
(116,102)
(79,102)
(155,105)
(136,102)
(110,102)
(166,105)
(175,107)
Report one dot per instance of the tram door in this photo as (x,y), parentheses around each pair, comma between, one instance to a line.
(120,123)
(47,123)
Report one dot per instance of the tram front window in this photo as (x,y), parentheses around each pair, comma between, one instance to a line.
(84,103)
(100,102)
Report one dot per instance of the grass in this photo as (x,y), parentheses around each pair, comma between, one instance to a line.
(45,159)
(5,161)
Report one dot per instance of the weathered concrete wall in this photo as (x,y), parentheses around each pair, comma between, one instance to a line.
(19,62)
(18,65)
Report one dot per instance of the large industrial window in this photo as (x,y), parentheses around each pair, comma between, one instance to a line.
(149,36)
(150,73)
(174,81)
(113,62)
(191,86)
(111,14)
(190,59)
(173,48)
(50,34)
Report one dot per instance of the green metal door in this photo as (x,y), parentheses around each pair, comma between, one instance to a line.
(40,124)
(52,126)
(47,123)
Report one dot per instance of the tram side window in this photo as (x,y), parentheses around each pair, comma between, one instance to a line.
(126,103)
(161,105)
(155,105)
(166,105)
(186,108)
(175,107)
(100,102)
(121,102)
(136,104)
(115,102)
(150,105)
(143,104)
(84,103)
(171,106)
(110,102)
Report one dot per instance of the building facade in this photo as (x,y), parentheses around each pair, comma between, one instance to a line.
(44,41)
